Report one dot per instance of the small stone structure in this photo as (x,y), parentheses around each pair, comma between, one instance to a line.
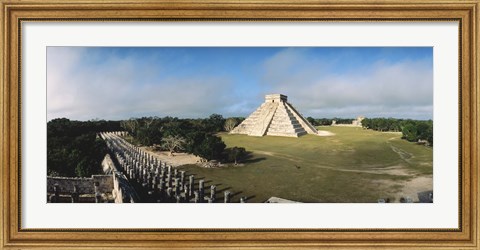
(355,123)
(358,121)
(275,117)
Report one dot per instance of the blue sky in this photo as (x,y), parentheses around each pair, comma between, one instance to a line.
(118,83)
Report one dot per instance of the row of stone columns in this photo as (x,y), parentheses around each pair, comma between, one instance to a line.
(160,181)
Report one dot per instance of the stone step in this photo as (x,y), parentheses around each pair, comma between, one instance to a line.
(289,130)
(293,122)
(287,134)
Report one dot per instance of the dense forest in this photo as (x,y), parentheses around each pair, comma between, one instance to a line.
(73,148)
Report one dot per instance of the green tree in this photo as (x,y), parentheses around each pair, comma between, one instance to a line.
(312,121)
(173,143)
(130,125)
(214,123)
(230,124)
(211,148)
(236,154)
(409,132)
(73,148)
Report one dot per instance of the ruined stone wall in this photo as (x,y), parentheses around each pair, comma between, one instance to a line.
(84,185)
(66,184)
(105,181)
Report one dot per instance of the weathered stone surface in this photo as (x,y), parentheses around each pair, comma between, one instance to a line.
(275,117)
(84,185)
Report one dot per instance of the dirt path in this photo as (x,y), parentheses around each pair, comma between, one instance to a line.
(177,160)
(414,186)
(398,170)
(404,155)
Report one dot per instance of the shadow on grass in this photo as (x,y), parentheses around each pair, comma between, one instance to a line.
(235,194)
(250,197)
(223,189)
(250,159)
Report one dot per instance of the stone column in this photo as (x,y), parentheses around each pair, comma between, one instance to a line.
(156,181)
(213,191)
(130,174)
(162,175)
(243,199)
(197,197)
(191,184)
(75,194)
(140,173)
(145,174)
(201,190)
(55,198)
(169,193)
(150,181)
(226,198)
(177,186)
(182,177)
(161,185)
(186,193)
(98,195)
(169,180)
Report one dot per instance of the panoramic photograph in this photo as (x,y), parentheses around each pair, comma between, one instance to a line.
(239,125)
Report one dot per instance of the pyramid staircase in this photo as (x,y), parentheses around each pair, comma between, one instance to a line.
(275,117)
(284,123)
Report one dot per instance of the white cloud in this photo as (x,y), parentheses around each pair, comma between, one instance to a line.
(403,89)
(113,87)
(119,89)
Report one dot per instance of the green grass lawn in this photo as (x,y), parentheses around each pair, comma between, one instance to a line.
(354,165)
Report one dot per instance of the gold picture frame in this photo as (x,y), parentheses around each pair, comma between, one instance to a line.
(16,12)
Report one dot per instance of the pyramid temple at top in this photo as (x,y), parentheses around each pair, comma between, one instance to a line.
(275,117)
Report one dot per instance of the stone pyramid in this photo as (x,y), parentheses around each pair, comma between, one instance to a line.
(275,117)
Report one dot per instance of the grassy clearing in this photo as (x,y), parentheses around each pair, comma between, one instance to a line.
(355,165)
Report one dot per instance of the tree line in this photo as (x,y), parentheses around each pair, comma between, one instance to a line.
(328,121)
(73,148)
(412,130)
(194,136)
